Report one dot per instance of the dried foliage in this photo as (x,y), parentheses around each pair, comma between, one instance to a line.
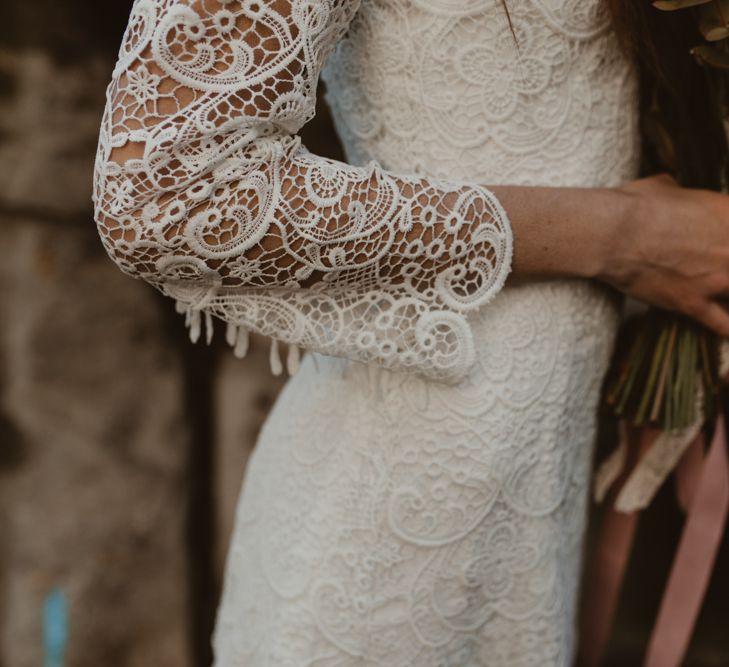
(665,359)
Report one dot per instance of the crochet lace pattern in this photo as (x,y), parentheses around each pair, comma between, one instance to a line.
(203,188)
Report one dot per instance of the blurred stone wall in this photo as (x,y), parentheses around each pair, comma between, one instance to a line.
(107,429)
(95,440)
(122,445)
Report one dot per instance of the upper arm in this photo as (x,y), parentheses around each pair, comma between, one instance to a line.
(192,70)
(199,82)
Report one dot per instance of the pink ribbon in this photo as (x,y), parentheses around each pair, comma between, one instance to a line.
(703,488)
(695,557)
(688,473)
(615,542)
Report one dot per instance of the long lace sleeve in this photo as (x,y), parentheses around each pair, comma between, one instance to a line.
(203,188)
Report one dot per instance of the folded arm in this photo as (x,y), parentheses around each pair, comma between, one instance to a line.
(203,188)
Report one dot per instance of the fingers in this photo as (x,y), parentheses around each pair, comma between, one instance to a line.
(655,183)
(666,178)
(715,317)
(662,179)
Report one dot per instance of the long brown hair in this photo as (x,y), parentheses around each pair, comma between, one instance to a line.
(682,102)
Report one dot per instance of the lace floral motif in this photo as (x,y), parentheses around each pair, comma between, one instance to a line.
(225,210)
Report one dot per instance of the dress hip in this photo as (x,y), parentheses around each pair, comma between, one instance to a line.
(386,520)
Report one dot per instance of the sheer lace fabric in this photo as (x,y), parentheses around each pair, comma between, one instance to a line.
(388,520)
(224,209)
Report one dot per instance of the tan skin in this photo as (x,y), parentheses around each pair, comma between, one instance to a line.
(650,238)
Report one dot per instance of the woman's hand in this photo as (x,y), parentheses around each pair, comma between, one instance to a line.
(672,249)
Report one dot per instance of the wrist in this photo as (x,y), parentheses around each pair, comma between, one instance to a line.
(611,260)
(572,232)
(597,222)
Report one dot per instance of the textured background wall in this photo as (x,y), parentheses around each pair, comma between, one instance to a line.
(108,434)
(122,445)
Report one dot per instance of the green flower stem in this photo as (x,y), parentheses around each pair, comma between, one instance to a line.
(664,373)
(665,341)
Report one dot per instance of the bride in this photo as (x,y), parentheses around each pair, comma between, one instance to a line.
(418,494)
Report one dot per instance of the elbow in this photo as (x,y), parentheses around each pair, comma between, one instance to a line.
(120,234)
(140,240)
(130,232)
(189,241)
(117,216)
(133,228)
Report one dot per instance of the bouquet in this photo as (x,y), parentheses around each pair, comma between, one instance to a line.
(667,388)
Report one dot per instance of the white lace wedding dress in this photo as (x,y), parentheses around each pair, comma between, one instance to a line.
(418,497)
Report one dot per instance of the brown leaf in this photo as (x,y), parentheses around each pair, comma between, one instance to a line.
(714,20)
(711,56)
(672,5)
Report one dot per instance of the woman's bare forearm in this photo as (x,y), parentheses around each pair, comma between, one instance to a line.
(651,239)
(561,231)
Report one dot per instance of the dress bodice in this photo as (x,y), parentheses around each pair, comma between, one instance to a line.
(444,87)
